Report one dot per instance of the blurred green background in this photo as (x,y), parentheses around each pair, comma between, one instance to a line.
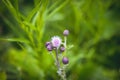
(25,26)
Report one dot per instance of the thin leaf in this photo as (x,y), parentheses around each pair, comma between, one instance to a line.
(15,40)
(33,12)
(12,9)
(58,8)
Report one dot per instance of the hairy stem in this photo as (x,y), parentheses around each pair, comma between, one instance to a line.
(63,75)
(61,71)
(57,59)
(65,43)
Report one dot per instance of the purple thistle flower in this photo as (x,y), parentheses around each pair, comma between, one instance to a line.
(65,60)
(62,49)
(56,41)
(66,32)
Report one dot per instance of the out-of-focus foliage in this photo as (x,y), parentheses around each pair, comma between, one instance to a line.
(25,26)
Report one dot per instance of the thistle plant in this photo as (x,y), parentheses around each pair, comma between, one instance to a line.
(56,45)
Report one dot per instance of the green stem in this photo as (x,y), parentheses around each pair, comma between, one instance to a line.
(63,75)
(57,59)
(65,43)
(61,72)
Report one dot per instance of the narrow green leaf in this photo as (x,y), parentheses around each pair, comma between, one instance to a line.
(11,9)
(15,40)
(33,12)
(58,8)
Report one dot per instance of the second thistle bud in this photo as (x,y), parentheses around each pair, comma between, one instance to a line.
(66,32)
(65,60)
(47,43)
(62,49)
(49,47)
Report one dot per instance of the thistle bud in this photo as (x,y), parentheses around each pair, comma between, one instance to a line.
(65,60)
(47,43)
(66,32)
(49,47)
(62,49)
